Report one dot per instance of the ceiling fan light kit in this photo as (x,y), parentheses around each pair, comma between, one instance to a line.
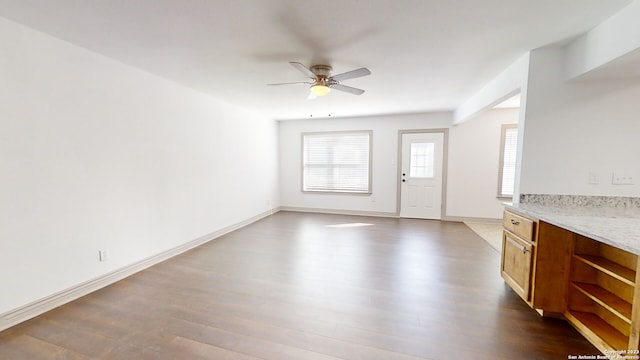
(320,90)
(322,82)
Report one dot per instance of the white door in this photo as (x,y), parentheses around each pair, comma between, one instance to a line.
(421,175)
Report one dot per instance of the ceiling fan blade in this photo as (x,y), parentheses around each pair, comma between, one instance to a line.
(348,89)
(303,69)
(351,74)
(292,83)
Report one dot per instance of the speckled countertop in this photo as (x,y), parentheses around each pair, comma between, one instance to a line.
(611,220)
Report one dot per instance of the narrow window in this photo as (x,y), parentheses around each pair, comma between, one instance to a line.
(507,175)
(337,162)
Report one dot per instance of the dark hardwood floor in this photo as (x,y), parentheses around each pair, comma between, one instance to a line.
(308,286)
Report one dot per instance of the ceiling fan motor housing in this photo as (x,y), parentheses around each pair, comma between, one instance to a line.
(321,70)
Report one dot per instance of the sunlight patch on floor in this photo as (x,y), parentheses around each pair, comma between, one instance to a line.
(349,225)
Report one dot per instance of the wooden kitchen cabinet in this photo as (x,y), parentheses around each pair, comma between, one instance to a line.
(601,292)
(535,262)
(559,273)
(518,247)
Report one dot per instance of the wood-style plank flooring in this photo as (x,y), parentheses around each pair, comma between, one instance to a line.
(308,286)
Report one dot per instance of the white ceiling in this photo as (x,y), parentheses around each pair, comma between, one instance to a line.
(424,55)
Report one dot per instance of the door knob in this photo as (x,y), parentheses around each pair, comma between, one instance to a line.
(403,180)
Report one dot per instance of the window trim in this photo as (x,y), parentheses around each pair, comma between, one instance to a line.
(503,136)
(369,133)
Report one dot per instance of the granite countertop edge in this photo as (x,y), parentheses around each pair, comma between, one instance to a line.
(612,226)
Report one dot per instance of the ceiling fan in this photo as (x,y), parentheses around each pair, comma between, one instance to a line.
(322,81)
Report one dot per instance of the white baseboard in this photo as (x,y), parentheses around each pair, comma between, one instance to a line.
(338,211)
(383,214)
(38,307)
(472,219)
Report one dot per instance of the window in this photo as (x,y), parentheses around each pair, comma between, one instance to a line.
(422,160)
(337,162)
(508,149)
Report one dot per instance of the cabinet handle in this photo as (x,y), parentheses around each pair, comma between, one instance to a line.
(515,222)
(524,250)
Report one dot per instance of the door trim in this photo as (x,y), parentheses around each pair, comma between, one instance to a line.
(445,151)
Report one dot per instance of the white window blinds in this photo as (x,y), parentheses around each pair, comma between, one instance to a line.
(508,161)
(337,162)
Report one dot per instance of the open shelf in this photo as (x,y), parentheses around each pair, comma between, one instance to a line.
(601,294)
(606,299)
(609,267)
(594,328)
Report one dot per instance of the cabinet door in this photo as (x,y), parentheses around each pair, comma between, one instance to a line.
(516,264)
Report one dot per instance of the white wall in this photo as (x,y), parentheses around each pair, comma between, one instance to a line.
(613,39)
(471,146)
(384,168)
(474,160)
(576,128)
(508,83)
(98,155)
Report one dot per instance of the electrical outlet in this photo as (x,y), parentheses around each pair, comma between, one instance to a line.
(103,255)
(622,178)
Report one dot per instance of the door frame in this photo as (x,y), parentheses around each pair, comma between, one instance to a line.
(445,151)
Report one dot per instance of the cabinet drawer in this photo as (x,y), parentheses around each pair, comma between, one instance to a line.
(518,225)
